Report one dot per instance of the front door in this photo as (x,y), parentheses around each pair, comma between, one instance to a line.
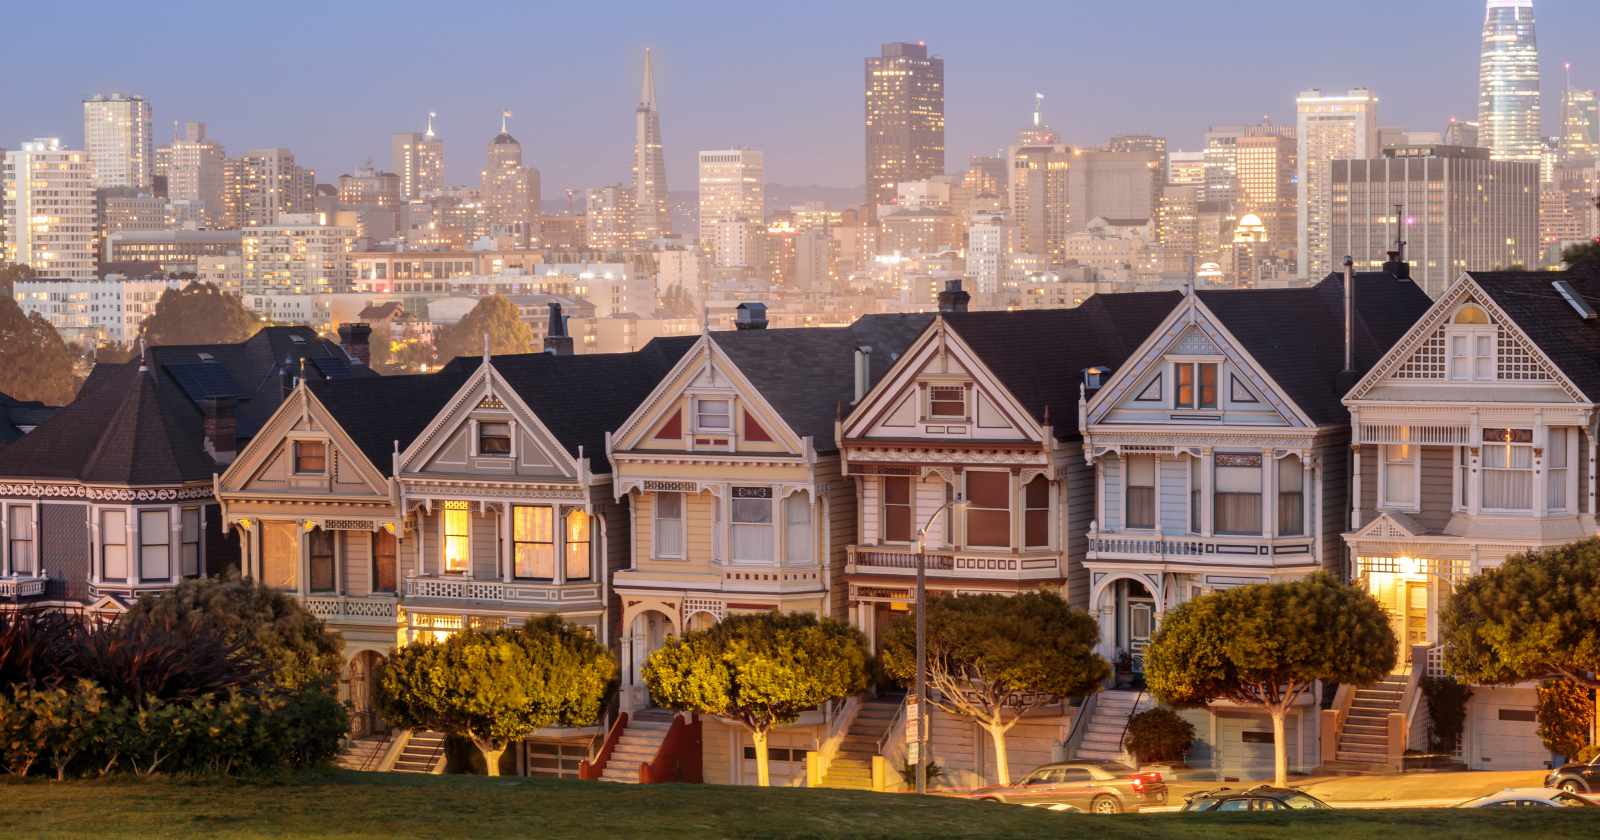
(1413,616)
(1141,623)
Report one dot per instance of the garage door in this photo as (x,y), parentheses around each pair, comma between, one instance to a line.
(1244,744)
(1507,738)
(786,766)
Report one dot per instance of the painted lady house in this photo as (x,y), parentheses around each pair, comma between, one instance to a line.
(1221,458)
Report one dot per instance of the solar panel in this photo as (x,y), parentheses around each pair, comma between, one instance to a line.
(332,366)
(204,380)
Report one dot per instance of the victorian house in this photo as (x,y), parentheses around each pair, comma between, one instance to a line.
(1220,457)
(1474,439)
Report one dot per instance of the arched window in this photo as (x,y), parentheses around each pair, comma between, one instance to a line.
(1472,314)
(1471,340)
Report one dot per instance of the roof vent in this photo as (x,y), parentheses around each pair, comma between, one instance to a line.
(1574,300)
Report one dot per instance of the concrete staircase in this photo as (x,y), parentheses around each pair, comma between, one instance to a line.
(639,743)
(1364,738)
(423,753)
(363,753)
(851,768)
(1102,739)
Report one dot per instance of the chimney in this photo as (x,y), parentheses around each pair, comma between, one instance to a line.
(1347,376)
(220,427)
(556,340)
(953,299)
(1094,378)
(863,371)
(288,375)
(357,340)
(750,316)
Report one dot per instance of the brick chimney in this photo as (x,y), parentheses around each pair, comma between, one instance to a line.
(953,298)
(220,428)
(556,339)
(357,340)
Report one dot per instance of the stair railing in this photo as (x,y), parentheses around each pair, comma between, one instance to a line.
(375,755)
(1080,725)
(391,754)
(841,716)
(1129,722)
(593,768)
(680,756)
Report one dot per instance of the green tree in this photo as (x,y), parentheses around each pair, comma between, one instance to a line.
(35,364)
(1566,717)
(497,686)
(992,658)
(10,273)
(494,316)
(392,356)
(199,313)
(1584,256)
(1267,644)
(760,670)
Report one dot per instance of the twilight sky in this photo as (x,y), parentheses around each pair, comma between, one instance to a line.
(331,81)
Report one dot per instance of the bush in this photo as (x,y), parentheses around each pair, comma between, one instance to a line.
(1158,735)
(1447,712)
(1565,712)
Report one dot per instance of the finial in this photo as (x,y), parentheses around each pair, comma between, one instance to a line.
(431,115)
(1038,103)
(504,115)
(485,346)
(647,91)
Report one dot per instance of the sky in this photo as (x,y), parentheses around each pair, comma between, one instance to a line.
(332,81)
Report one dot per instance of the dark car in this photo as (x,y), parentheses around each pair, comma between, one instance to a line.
(1576,778)
(1103,787)
(1263,798)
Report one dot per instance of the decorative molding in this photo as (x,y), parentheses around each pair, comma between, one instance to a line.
(105,494)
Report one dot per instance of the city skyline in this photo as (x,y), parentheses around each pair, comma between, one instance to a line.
(798,98)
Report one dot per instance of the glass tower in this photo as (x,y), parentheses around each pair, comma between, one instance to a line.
(1508,82)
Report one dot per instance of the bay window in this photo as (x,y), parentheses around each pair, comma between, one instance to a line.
(280,555)
(533,542)
(322,558)
(1036,513)
(1399,476)
(1141,496)
(797,531)
(189,542)
(114,545)
(19,532)
(1291,497)
(896,508)
(751,518)
(457,536)
(1555,496)
(384,550)
(155,545)
(668,525)
(988,509)
(577,544)
(1236,505)
(1196,385)
(1507,469)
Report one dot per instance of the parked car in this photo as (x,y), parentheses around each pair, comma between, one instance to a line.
(1576,778)
(1263,798)
(1103,787)
(1529,798)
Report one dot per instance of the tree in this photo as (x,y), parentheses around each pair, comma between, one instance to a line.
(760,670)
(497,686)
(991,657)
(392,356)
(1566,717)
(677,303)
(10,273)
(1584,256)
(199,313)
(35,364)
(1267,644)
(1158,734)
(494,316)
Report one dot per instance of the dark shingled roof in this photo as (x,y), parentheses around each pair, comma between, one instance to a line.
(808,373)
(380,411)
(15,415)
(1297,335)
(1530,299)
(1040,354)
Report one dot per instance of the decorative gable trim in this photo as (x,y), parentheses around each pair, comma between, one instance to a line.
(497,395)
(291,421)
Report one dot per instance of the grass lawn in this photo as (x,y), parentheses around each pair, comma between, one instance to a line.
(343,804)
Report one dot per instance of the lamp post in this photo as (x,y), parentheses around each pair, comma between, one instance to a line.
(956,505)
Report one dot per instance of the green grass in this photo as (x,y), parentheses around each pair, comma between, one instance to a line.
(350,805)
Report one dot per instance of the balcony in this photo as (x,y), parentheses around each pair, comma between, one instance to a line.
(956,564)
(1251,552)
(500,593)
(376,610)
(17,587)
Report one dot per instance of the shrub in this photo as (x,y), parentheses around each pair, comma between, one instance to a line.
(1447,712)
(1158,735)
(1565,712)
(38,645)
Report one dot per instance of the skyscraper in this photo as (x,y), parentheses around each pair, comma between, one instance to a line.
(732,187)
(1039,204)
(263,184)
(50,209)
(510,190)
(1266,172)
(194,172)
(1333,127)
(1580,123)
(419,161)
(649,167)
(1508,82)
(116,134)
(904,119)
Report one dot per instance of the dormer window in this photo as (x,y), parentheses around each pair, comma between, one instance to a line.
(310,457)
(1471,339)
(947,402)
(713,415)
(1196,385)
(494,438)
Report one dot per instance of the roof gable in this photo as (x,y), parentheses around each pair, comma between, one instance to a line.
(446,446)
(266,464)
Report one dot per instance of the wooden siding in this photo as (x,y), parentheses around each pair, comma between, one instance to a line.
(1583,473)
(357,552)
(1369,484)
(930,496)
(485,544)
(1437,486)
(871,510)
(1173,474)
(1076,489)
(1111,513)
(840,503)
(1334,513)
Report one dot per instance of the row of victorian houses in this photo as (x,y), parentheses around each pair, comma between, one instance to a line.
(1129,454)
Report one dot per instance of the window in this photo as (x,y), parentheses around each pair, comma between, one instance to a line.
(310,457)
(1196,471)
(897,508)
(1555,495)
(713,415)
(669,525)
(383,561)
(189,542)
(752,524)
(1036,513)
(948,402)
(577,544)
(1251,736)
(1463,477)
(1197,385)
(155,542)
(280,555)
(1508,469)
(457,536)
(1291,497)
(494,438)
(1399,475)
(20,532)
(1518,715)
(797,529)
(989,509)
(1141,499)
(1236,506)
(533,542)
(114,545)
(1471,340)
(321,560)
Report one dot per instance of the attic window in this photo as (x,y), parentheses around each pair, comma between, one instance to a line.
(310,457)
(713,415)
(1474,315)
(947,401)
(1197,385)
(494,438)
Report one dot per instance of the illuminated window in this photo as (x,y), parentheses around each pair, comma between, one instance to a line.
(533,542)
(310,457)
(280,555)
(1197,385)
(457,536)
(578,544)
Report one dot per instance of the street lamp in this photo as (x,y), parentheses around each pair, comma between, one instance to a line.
(955,506)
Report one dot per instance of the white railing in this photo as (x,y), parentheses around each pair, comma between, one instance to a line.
(948,563)
(1436,661)
(347,607)
(21,587)
(466,589)
(1113,545)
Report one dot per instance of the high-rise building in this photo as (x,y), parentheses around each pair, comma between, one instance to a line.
(1266,173)
(904,119)
(298,254)
(649,166)
(1221,156)
(1567,212)
(1141,143)
(194,167)
(1508,82)
(369,188)
(418,158)
(1329,127)
(732,185)
(1186,168)
(1461,133)
(1113,185)
(49,209)
(1580,124)
(988,250)
(510,190)
(1456,209)
(609,218)
(262,184)
(116,134)
(1038,189)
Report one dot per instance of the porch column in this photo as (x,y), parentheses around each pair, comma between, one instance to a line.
(1588,437)
(1355,486)
(507,545)
(1208,465)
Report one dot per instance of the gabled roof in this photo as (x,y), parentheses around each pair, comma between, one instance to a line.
(1530,299)
(16,415)
(807,373)
(378,412)
(1297,335)
(1040,355)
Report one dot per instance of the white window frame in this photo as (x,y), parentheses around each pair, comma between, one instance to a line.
(477,442)
(1470,333)
(198,543)
(10,564)
(1461,467)
(801,501)
(1306,523)
(1263,491)
(966,402)
(164,531)
(1535,471)
(656,521)
(1194,365)
(1415,461)
(294,455)
(1569,482)
(128,560)
(444,542)
(770,527)
(699,427)
(1155,492)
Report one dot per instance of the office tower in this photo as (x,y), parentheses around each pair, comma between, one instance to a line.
(1508,82)
(609,218)
(298,254)
(989,238)
(1459,210)
(1113,185)
(1186,168)
(904,119)
(510,190)
(1141,143)
(1221,156)
(194,167)
(262,184)
(649,167)
(116,135)
(50,209)
(123,209)
(1038,189)
(1580,124)
(1567,211)
(732,185)
(369,188)
(1266,173)
(738,243)
(419,161)
(1329,127)
(1461,133)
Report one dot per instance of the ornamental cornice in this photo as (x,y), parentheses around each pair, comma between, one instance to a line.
(706,459)
(94,493)
(1113,440)
(1018,456)
(456,488)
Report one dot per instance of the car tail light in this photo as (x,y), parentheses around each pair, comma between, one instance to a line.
(1138,783)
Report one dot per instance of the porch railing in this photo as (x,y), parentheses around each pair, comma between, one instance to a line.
(467,589)
(21,587)
(1243,550)
(946,562)
(349,607)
